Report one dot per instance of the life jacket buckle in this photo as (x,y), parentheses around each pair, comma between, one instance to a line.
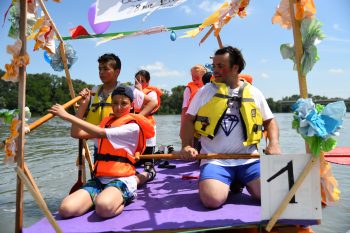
(256,128)
(95,108)
(205,122)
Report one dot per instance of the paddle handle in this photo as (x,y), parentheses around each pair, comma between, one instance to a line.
(176,155)
(48,116)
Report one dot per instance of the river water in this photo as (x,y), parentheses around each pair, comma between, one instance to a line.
(50,154)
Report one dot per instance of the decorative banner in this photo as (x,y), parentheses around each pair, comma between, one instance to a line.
(149,31)
(113,10)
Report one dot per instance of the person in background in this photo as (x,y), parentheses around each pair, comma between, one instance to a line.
(207,77)
(229,115)
(246,77)
(142,82)
(191,89)
(120,136)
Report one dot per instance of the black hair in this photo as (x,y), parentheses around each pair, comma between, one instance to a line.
(236,57)
(111,57)
(144,73)
(206,77)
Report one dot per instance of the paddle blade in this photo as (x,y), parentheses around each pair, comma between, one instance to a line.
(79,182)
(339,155)
(76,186)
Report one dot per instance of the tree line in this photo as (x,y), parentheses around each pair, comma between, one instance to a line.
(44,90)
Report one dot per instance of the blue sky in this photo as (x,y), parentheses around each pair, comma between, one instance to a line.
(169,62)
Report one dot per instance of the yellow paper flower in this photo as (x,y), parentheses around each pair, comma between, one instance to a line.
(44,38)
(10,142)
(303,9)
(17,61)
(221,17)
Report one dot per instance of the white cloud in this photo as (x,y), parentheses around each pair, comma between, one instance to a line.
(336,39)
(337,27)
(158,69)
(264,75)
(186,9)
(264,60)
(210,6)
(336,71)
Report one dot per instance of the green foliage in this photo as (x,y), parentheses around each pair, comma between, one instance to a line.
(42,91)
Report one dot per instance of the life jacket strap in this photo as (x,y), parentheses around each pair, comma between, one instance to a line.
(257,128)
(204,121)
(100,104)
(115,158)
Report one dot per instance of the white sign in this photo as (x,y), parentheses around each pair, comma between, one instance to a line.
(112,10)
(278,175)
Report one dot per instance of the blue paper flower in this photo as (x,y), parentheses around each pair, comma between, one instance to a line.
(317,124)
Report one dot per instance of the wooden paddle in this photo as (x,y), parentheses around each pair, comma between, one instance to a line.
(79,182)
(47,117)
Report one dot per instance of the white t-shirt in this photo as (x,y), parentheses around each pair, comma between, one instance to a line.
(229,138)
(125,137)
(152,141)
(186,99)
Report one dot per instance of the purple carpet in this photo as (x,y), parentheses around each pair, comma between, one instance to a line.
(168,202)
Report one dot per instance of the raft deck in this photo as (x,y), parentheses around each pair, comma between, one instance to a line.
(169,203)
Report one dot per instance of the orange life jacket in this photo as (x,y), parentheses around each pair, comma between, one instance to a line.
(159,93)
(118,162)
(193,89)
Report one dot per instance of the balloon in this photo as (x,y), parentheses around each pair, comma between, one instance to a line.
(98,28)
(172,36)
(47,57)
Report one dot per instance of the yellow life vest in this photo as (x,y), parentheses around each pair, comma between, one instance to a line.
(99,110)
(210,115)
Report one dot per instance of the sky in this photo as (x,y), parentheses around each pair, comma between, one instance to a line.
(169,62)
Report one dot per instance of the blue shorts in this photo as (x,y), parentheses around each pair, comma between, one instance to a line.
(243,173)
(95,187)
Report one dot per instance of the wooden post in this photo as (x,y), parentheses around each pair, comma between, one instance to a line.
(31,179)
(88,156)
(21,107)
(39,200)
(298,46)
(62,50)
(63,56)
(207,35)
(219,41)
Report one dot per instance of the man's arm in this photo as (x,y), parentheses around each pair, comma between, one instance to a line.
(186,97)
(187,151)
(183,114)
(272,129)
